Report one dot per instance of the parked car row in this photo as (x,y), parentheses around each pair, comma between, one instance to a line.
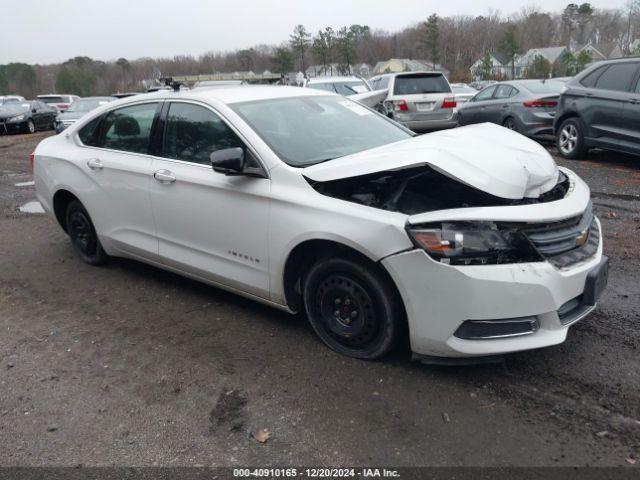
(47,112)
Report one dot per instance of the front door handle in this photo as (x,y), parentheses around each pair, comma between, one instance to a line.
(164,176)
(95,164)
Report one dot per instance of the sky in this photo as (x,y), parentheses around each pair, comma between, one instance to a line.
(48,31)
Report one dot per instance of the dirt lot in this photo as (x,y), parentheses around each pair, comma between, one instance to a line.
(129,365)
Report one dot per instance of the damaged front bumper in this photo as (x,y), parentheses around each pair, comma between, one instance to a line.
(482,310)
(440,299)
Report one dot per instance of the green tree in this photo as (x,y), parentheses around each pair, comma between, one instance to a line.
(78,76)
(18,78)
(565,66)
(282,61)
(540,67)
(4,84)
(75,80)
(581,61)
(346,45)
(485,70)
(300,40)
(320,48)
(430,40)
(510,47)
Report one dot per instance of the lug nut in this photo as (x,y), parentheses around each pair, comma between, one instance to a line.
(347,302)
(337,301)
(354,314)
(337,313)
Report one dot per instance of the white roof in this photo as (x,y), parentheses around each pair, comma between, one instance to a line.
(236,94)
(334,79)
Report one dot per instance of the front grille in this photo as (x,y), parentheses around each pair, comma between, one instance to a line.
(566,242)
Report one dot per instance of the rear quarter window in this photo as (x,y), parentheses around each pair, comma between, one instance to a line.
(88,133)
(617,77)
(420,84)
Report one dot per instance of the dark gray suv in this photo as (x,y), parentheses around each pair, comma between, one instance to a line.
(600,108)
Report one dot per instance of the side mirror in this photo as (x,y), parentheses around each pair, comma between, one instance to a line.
(229,161)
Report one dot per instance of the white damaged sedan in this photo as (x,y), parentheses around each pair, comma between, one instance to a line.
(471,242)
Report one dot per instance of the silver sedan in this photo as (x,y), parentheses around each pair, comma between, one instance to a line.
(526,106)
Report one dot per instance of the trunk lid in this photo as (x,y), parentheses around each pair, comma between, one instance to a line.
(485,156)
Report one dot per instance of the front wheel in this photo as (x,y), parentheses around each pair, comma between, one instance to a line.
(570,139)
(352,307)
(31,127)
(83,235)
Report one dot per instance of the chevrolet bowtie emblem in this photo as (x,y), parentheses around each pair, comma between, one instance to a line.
(582,238)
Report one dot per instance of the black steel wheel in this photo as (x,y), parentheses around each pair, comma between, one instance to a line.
(83,235)
(352,307)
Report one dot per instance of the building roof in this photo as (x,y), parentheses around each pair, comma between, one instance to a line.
(550,53)
(500,57)
(606,50)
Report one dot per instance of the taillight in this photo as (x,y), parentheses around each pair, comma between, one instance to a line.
(449,102)
(63,106)
(540,103)
(32,160)
(400,106)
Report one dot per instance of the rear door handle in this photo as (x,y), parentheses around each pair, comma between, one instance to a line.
(164,176)
(95,164)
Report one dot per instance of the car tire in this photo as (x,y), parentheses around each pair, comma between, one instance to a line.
(30,127)
(353,307)
(570,139)
(511,124)
(83,235)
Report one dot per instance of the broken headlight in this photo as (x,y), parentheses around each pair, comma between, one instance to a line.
(474,243)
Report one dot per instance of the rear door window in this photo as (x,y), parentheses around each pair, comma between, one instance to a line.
(420,84)
(504,91)
(617,77)
(129,128)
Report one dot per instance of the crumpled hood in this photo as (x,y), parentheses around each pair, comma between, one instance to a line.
(488,157)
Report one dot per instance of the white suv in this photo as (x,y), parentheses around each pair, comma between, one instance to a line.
(421,101)
(472,239)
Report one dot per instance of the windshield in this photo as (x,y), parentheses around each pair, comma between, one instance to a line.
(86,105)
(303,131)
(544,87)
(16,107)
(421,83)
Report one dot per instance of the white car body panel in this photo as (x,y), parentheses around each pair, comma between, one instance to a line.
(237,232)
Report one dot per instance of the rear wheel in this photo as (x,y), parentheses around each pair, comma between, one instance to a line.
(570,139)
(83,235)
(510,123)
(352,307)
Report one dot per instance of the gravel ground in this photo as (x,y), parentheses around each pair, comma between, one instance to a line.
(129,365)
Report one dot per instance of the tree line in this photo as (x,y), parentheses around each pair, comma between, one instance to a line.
(455,42)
